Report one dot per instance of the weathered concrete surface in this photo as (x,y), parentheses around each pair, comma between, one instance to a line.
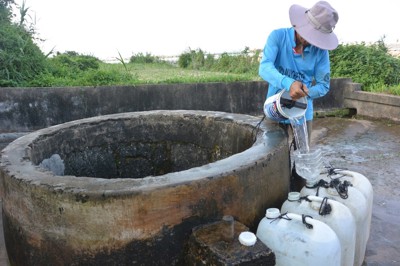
(29,109)
(34,108)
(368,147)
(375,105)
(371,148)
(207,246)
(6,138)
(74,220)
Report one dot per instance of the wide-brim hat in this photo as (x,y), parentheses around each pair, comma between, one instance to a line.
(316,24)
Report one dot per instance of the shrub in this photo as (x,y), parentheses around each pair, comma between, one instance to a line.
(5,11)
(245,62)
(242,63)
(185,60)
(73,69)
(74,61)
(370,65)
(105,77)
(144,58)
(20,58)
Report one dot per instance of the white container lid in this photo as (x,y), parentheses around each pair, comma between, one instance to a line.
(272,213)
(247,238)
(293,196)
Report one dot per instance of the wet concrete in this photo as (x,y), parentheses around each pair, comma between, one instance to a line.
(371,148)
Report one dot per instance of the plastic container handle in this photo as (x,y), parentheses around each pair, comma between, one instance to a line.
(306,220)
(290,104)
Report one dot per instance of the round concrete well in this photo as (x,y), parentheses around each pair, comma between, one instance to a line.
(128,188)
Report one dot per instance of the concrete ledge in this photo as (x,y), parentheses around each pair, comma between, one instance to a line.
(373,105)
(28,109)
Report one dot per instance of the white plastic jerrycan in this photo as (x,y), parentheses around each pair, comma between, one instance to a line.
(299,240)
(336,215)
(351,198)
(359,182)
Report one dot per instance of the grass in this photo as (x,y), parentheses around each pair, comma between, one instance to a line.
(392,90)
(164,72)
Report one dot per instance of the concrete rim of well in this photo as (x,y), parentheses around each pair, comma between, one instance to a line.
(15,158)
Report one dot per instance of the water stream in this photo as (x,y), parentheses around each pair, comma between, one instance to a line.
(308,161)
(300,133)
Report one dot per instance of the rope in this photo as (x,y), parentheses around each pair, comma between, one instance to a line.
(334,171)
(325,207)
(305,198)
(285,216)
(321,183)
(282,216)
(303,217)
(301,198)
(256,129)
(341,187)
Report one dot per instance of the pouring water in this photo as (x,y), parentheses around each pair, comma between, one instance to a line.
(280,107)
(308,161)
(300,133)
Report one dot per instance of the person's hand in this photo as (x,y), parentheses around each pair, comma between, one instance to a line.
(298,90)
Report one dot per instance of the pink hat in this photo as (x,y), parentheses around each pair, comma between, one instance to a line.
(316,25)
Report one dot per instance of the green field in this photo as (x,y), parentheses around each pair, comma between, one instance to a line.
(156,73)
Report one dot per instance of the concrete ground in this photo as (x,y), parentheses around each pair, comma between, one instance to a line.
(371,148)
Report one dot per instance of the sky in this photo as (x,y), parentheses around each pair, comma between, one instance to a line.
(106,29)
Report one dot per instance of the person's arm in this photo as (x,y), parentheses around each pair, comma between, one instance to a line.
(270,73)
(322,77)
(267,68)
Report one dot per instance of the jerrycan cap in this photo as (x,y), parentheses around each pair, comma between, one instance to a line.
(293,196)
(272,213)
(247,238)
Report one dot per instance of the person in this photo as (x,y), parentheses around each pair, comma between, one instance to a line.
(296,59)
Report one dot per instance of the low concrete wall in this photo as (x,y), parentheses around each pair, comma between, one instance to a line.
(372,105)
(28,109)
(334,98)
(346,94)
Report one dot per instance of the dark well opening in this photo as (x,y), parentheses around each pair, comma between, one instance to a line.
(148,145)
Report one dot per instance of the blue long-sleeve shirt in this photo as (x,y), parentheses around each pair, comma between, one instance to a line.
(280,66)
